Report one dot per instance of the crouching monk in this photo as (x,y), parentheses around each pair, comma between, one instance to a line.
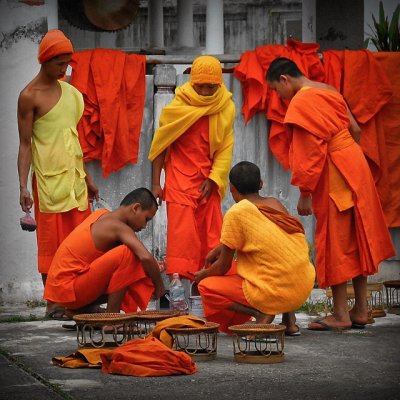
(103,257)
(274,274)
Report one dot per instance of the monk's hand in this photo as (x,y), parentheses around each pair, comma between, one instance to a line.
(158,193)
(200,275)
(25,199)
(93,190)
(304,205)
(206,189)
(213,255)
(159,291)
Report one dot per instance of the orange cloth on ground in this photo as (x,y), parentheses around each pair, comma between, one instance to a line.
(316,116)
(83,358)
(52,229)
(184,321)
(368,98)
(80,274)
(113,84)
(193,227)
(251,72)
(53,44)
(147,357)
(218,293)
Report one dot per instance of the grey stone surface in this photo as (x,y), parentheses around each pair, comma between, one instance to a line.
(355,364)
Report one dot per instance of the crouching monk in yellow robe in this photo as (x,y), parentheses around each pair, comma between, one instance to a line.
(274,274)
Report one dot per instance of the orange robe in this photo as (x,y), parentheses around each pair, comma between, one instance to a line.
(374,102)
(80,274)
(113,85)
(52,229)
(193,227)
(351,235)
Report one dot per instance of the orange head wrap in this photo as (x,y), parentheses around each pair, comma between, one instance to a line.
(206,69)
(53,44)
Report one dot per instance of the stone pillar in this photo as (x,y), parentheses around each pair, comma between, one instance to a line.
(309,27)
(215,27)
(185,23)
(164,82)
(156,24)
(52,14)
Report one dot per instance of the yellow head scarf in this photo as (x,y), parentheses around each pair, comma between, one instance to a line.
(206,69)
(184,110)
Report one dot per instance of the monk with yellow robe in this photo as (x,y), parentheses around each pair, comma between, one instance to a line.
(336,184)
(49,110)
(102,260)
(194,145)
(274,273)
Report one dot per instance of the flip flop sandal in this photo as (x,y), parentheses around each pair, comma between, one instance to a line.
(58,315)
(296,333)
(325,327)
(71,327)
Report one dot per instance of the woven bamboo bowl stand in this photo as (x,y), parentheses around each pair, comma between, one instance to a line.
(258,343)
(393,296)
(104,329)
(146,320)
(200,343)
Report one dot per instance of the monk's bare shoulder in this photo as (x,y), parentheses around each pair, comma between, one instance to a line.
(275,204)
(321,85)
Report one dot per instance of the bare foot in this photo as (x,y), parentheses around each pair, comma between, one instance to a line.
(264,318)
(358,318)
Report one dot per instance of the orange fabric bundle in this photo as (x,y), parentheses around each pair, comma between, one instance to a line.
(184,321)
(83,358)
(113,85)
(146,357)
(53,44)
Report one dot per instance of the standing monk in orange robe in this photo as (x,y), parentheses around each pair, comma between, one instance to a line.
(48,111)
(103,257)
(194,145)
(335,182)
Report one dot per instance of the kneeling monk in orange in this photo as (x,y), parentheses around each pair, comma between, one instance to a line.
(194,144)
(329,167)
(104,257)
(274,273)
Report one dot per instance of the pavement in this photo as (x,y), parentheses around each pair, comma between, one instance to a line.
(353,364)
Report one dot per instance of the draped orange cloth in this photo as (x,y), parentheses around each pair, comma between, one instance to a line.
(80,274)
(251,72)
(147,357)
(374,102)
(52,229)
(193,227)
(351,237)
(114,87)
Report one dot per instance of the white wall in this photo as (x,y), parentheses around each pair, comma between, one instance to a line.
(22,27)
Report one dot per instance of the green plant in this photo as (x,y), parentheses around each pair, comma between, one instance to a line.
(386,36)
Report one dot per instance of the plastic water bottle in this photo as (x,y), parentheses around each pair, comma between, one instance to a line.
(177,295)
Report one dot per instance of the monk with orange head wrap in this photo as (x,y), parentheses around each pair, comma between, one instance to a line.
(48,112)
(194,145)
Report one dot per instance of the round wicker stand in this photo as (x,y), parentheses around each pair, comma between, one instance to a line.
(393,296)
(258,343)
(104,329)
(146,320)
(200,343)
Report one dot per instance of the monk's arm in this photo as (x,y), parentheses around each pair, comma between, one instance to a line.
(219,267)
(25,124)
(157,166)
(354,128)
(150,265)
(91,185)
